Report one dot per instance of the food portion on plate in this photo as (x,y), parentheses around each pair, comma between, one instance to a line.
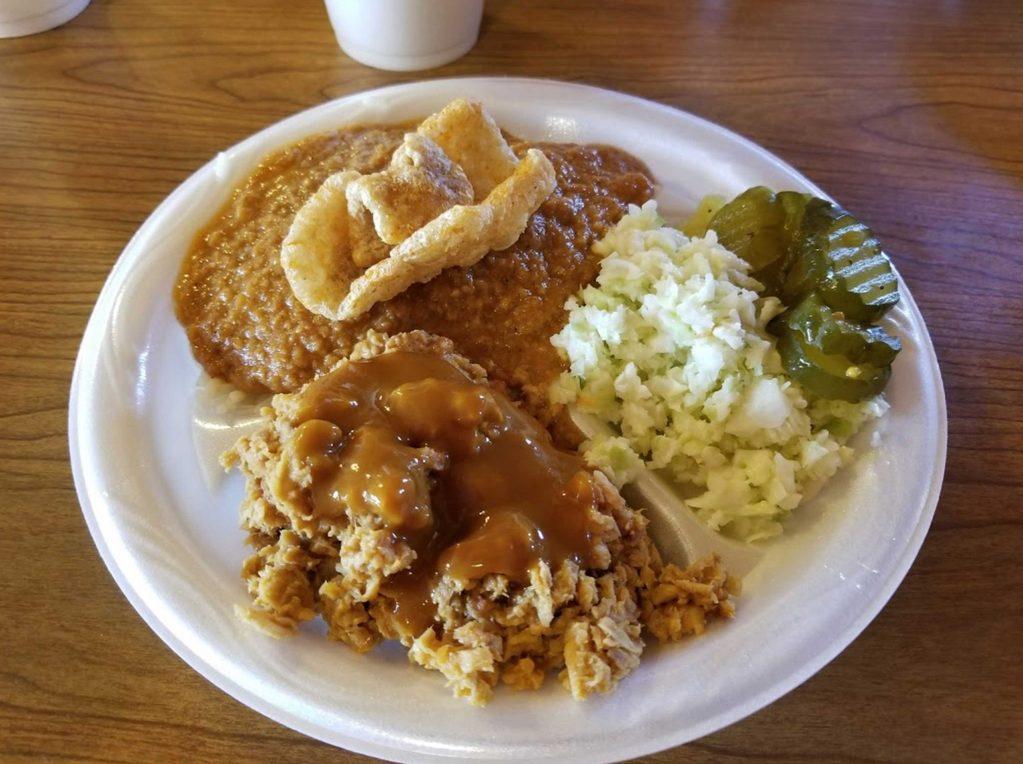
(248,327)
(685,350)
(400,496)
(431,301)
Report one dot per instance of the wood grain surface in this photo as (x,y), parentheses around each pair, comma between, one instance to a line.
(909,112)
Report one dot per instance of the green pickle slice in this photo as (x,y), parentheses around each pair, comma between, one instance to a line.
(794,204)
(831,333)
(806,266)
(839,257)
(699,221)
(759,225)
(829,375)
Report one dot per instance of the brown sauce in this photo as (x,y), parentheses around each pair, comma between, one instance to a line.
(246,326)
(452,468)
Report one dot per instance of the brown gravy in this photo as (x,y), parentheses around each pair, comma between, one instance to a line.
(452,468)
(246,326)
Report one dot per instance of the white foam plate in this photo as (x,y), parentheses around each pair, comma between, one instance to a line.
(171,541)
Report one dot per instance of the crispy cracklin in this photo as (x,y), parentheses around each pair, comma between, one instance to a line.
(453,191)
(420,183)
(399,496)
(459,236)
(471,137)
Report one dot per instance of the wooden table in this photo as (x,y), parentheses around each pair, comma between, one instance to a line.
(911,113)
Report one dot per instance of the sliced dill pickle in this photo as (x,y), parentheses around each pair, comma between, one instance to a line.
(794,204)
(829,375)
(831,333)
(862,344)
(772,275)
(839,257)
(752,226)
(758,225)
(699,221)
(806,263)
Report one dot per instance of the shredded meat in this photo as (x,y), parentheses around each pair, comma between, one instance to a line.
(585,624)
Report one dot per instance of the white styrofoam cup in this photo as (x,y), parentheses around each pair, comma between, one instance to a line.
(404,35)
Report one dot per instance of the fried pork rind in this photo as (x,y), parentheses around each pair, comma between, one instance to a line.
(420,183)
(469,135)
(458,237)
(316,253)
(585,624)
(337,254)
(364,245)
